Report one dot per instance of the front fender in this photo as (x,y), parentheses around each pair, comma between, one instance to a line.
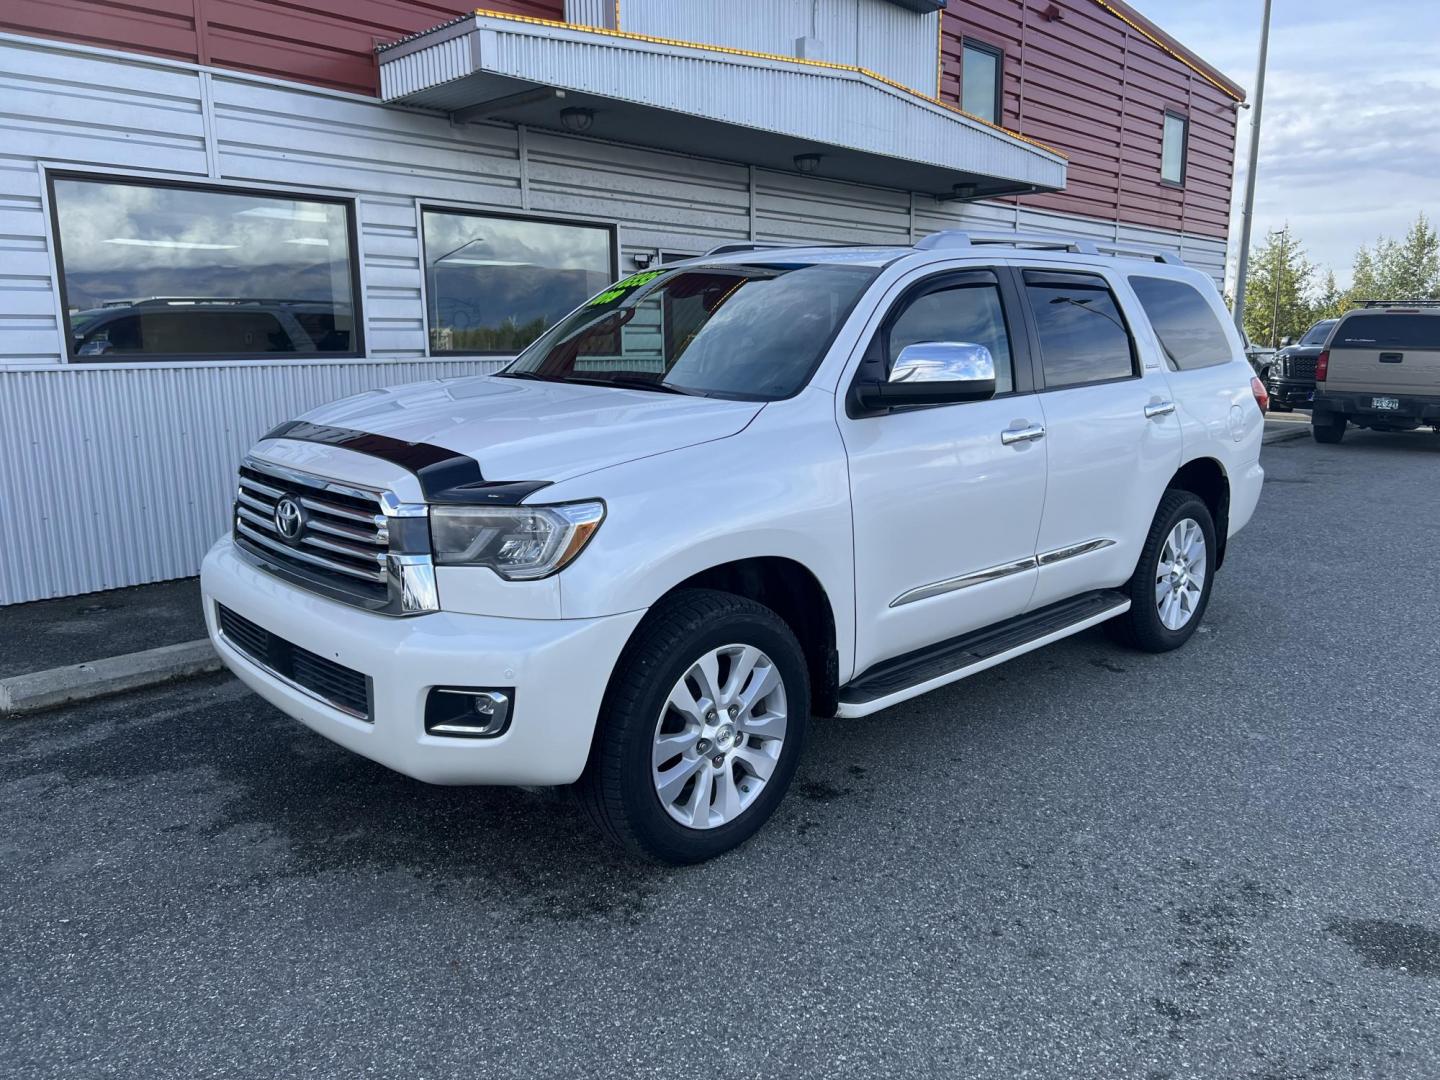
(780,488)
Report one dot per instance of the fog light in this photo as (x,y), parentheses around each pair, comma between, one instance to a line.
(468,712)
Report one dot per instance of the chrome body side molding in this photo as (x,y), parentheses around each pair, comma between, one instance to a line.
(994,573)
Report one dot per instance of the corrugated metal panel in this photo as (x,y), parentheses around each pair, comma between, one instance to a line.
(802,210)
(824,105)
(414,72)
(129,478)
(592,13)
(898,44)
(657,199)
(874,34)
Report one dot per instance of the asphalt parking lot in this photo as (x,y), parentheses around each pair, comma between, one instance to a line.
(1086,863)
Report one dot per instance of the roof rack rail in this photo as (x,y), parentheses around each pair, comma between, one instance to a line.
(1033,241)
(1395,303)
(731,249)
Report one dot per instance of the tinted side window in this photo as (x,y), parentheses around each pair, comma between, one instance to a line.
(1186,325)
(963,313)
(1388,332)
(1083,338)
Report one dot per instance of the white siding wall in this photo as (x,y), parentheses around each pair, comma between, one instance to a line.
(116,475)
(882,37)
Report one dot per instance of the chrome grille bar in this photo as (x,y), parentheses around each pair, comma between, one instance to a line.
(258,537)
(360,546)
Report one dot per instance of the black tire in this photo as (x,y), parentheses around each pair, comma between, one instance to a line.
(618,790)
(1328,428)
(1141,627)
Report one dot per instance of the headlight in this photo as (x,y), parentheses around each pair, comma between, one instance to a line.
(519,543)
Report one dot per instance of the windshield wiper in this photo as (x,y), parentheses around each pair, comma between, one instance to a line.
(522,375)
(630,383)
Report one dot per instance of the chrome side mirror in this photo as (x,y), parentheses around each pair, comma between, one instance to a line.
(944,361)
(933,373)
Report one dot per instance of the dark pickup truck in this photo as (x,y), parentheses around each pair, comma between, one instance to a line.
(1291,379)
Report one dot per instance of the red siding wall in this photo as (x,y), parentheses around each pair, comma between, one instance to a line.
(1097,89)
(329,42)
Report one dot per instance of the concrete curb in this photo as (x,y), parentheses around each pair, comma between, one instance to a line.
(39,690)
(1271,438)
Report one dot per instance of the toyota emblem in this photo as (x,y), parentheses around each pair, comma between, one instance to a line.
(289,519)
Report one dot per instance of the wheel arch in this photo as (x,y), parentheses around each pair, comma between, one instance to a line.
(793,591)
(1206,478)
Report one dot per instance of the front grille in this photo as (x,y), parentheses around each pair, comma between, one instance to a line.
(338,686)
(343,536)
(1300,367)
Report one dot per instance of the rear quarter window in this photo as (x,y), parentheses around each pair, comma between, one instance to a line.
(1382,331)
(1184,321)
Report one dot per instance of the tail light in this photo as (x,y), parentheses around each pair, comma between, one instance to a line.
(1322,366)
(1262,396)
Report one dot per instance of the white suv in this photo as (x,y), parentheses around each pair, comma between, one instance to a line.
(727,495)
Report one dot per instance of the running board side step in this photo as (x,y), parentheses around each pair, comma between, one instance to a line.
(904,677)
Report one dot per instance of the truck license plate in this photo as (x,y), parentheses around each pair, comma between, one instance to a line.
(1385,403)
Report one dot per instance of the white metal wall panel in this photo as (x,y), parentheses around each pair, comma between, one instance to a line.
(66,106)
(882,37)
(899,44)
(591,12)
(656,198)
(28,328)
(129,475)
(760,25)
(275,133)
(797,209)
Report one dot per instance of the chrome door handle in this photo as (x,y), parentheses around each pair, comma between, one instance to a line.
(1010,436)
(1159,409)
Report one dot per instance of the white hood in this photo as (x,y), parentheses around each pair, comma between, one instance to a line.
(523,430)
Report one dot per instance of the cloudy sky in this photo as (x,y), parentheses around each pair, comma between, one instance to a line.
(1350,146)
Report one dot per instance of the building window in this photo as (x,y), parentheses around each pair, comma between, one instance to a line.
(1172,150)
(494,284)
(153,270)
(980,67)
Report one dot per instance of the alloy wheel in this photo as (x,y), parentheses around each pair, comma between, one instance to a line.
(719,736)
(1180,575)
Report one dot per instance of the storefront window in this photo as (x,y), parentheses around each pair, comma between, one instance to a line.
(160,271)
(495,284)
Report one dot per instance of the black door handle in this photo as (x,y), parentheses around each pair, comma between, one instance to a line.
(1391,357)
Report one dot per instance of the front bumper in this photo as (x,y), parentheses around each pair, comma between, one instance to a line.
(558,668)
(1293,393)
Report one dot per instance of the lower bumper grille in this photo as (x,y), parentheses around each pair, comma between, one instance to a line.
(338,686)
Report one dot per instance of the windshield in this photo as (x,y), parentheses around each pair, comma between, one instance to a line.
(1317,333)
(750,332)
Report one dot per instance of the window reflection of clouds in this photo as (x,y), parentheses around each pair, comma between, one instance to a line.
(556,245)
(129,241)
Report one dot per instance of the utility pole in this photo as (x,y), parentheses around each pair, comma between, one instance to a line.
(1275,273)
(1248,211)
